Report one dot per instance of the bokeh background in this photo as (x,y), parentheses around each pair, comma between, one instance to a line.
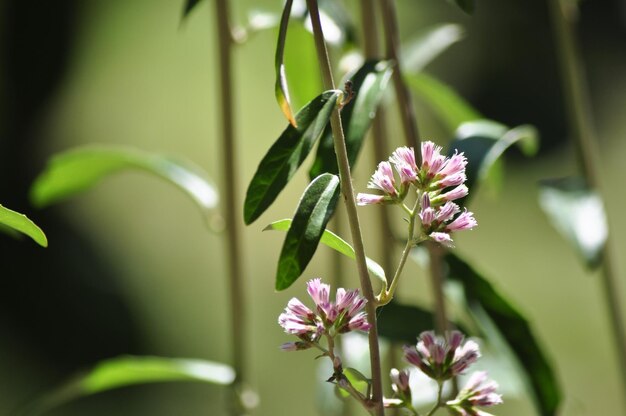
(131,267)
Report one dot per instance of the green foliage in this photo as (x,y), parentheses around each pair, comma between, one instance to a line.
(281,90)
(368,83)
(483,142)
(403,323)
(577,212)
(189,5)
(77,170)
(335,242)
(15,221)
(287,154)
(450,107)
(357,380)
(467,6)
(428,44)
(133,370)
(309,221)
(487,304)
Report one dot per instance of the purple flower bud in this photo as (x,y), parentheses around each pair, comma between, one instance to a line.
(442,238)
(427,216)
(369,199)
(476,392)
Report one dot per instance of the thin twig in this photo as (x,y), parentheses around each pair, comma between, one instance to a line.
(582,128)
(353,218)
(231,208)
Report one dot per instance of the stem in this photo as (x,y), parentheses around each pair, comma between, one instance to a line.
(438,404)
(581,126)
(403,95)
(386,296)
(353,218)
(237,303)
(411,132)
(371,48)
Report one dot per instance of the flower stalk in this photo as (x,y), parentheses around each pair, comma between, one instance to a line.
(581,127)
(233,229)
(353,219)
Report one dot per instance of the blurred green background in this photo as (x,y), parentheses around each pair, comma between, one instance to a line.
(131,267)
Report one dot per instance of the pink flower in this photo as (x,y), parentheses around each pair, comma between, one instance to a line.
(359,322)
(403,160)
(447,211)
(442,358)
(400,384)
(459,192)
(383,179)
(454,165)
(477,392)
(369,199)
(465,221)
(320,293)
(442,238)
(432,159)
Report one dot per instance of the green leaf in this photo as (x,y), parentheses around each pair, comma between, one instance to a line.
(335,242)
(309,221)
(483,142)
(357,379)
(467,6)
(450,107)
(481,297)
(189,5)
(76,170)
(19,222)
(368,83)
(281,90)
(577,212)
(287,154)
(300,57)
(403,323)
(133,370)
(423,48)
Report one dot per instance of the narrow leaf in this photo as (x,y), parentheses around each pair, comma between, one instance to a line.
(577,212)
(431,42)
(481,297)
(335,242)
(404,323)
(281,89)
(368,83)
(450,107)
(467,6)
(189,5)
(133,370)
(287,154)
(77,170)
(19,222)
(300,57)
(307,227)
(484,141)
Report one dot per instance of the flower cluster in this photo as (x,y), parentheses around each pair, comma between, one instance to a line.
(442,358)
(344,315)
(477,392)
(438,181)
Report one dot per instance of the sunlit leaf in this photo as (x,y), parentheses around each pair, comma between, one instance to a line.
(487,303)
(467,6)
(281,90)
(287,154)
(577,212)
(357,380)
(450,107)
(423,48)
(300,58)
(19,222)
(368,84)
(77,170)
(484,141)
(335,242)
(307,227)
(189,5)
(133,370)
